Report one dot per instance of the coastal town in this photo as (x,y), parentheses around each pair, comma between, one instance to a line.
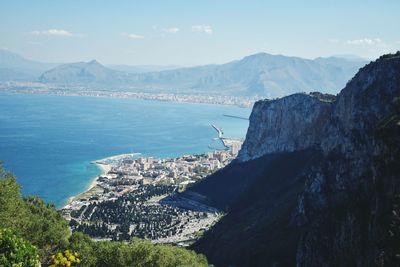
(140,197)
(40,88)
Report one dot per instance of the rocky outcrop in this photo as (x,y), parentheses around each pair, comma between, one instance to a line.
(348,197)
(301,121)
(292,123)
(345,199)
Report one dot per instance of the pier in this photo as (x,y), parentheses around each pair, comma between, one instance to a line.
(231,144)
(236,117)
(220,132)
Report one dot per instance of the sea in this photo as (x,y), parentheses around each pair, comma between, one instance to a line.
(48,141)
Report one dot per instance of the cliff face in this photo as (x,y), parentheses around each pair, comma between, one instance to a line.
(346,205)
(288,124)
(345,199)
(301,121)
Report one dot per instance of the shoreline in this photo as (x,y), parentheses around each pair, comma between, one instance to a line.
(106,164)
(104,169)
(151,185)
(224,100)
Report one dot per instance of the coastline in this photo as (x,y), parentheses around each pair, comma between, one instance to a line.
(225,100)
(104,169)
(151,185)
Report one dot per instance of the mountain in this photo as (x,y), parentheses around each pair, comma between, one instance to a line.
(257,75)
(316,182)
(13,67)
(85,74)
(260,74)
(141,68)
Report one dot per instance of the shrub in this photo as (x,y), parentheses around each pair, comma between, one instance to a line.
(66,258)
(16,251)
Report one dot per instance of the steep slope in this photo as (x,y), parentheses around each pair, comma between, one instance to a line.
(259,197)
(316,180)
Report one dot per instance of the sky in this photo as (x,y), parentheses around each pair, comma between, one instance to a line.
(191,32)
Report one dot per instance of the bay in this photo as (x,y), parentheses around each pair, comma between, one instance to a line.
(48,141)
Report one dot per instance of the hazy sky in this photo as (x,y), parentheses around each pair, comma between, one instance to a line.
(189,32)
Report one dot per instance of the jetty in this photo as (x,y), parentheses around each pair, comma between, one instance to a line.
(219,130)
(236,117)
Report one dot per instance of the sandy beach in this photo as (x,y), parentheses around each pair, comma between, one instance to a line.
(105,167)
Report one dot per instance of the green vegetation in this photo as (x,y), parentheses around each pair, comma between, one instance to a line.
(31,218)
(29,228)
(136,253)
(15,251)
(390,55)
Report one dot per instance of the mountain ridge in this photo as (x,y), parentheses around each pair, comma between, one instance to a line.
(16,67)
(261,74)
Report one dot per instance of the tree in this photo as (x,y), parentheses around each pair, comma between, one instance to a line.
(84,245)
(13,212)
(44,227)
(47,227)
(16,251)
(31,218)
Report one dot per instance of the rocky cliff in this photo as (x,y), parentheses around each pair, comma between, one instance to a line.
(347,202)
(288,124)
(301,121)
(335,164)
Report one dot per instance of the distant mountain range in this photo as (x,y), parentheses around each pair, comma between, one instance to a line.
(141,68)
(256,75)
(14,67)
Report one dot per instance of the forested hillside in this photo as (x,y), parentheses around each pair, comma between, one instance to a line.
(32,231)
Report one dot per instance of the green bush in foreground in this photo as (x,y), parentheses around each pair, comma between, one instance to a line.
(136,253)
(15,251)
(44,227)
(39,223)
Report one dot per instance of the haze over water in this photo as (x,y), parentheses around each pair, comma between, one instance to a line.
(48,141)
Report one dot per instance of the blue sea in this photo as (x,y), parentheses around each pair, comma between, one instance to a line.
(48,141)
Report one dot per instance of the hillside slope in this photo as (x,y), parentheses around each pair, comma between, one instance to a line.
(85,74)
(316,182)
(13,67)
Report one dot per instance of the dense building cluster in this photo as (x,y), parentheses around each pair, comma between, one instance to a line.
(137,197)
(41,88)
(181,170)
(138,214)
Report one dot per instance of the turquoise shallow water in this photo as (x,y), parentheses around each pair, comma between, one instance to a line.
(48,141)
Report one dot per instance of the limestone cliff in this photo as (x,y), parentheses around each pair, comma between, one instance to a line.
(288,124)
(335,164)
(346,205)
(301,121)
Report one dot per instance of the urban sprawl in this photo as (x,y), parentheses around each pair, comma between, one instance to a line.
(140,197)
